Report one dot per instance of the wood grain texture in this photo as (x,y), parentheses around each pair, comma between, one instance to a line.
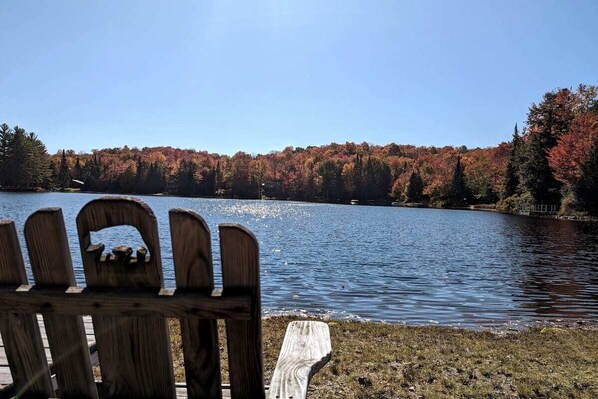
(306,348)
(51,264)
(134,353)
(182,392)
(241,274)
(5,377)
(20,333)
(135,302)
(192,255)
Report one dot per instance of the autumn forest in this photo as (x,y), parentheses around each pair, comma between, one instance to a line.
(552,159)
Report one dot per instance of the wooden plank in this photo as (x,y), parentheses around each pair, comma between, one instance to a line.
(20,332)
(156,302)
(182,392)
(241,274)
(5,376)
(305,350)
(51,264)
(134,352)
(192,255)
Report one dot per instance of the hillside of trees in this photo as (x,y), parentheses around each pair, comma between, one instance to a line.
(554,160)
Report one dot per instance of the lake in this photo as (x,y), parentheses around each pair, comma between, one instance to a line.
(417,266)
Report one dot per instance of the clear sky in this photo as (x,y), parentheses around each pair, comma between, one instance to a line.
(258,76)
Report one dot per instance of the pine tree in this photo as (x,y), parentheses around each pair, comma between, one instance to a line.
(459,191)
(332,185)
(78,170)
(415,189)
(92,173)
(141,177)
(586,190)
(546,122)
(358,178)
(513,165)
(64,178)
(155,181)
(184,179)
(5,138)
(19,161)
(217,179)
(536,176)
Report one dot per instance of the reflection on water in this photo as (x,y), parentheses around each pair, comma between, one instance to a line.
(381,263)
(561,269)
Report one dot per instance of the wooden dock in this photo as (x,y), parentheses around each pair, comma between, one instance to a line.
(5,376)
(537,209)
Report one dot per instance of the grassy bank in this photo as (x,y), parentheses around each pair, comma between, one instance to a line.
(372,360)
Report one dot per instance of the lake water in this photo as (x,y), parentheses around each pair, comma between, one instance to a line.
(418,266)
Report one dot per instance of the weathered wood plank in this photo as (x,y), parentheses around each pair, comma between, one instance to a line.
(51,264)
(182,392)
(5,376)
(134,352)
(154,302)
(306,348)
(241,274)
(192,255)
(20,333)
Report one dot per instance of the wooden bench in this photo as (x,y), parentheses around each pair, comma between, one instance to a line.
(7,389)
(129,308)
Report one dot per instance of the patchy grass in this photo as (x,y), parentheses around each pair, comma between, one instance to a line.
(372,360)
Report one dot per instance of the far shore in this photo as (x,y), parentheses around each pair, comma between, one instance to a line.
(474,207)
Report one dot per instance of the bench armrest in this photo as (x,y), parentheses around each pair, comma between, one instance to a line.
(306,348)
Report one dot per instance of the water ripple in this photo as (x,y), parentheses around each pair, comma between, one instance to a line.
(416,266)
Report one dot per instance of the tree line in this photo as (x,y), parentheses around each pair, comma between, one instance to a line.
(24,162)
(553,160)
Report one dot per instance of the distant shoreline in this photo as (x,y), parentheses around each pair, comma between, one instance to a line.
(480,207)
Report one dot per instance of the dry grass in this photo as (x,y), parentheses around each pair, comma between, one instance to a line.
(373,360)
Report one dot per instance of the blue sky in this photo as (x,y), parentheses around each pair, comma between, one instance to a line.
(258,76)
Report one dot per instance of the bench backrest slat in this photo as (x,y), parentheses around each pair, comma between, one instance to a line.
(51,264)
(20,332)
(134,353)
(240,273)
(192,256)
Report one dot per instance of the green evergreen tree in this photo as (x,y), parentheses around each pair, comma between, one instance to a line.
(39,161)
(415,188)
(513,165)
(78,172)
(5,139)
(64,177)
(141,178)
(187,178)
(332,184)
(92,173)
(536,175)
(546,122)
(459,192)
(19,160)
(357,176)
(155,181)
(217,178)
(376,179)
